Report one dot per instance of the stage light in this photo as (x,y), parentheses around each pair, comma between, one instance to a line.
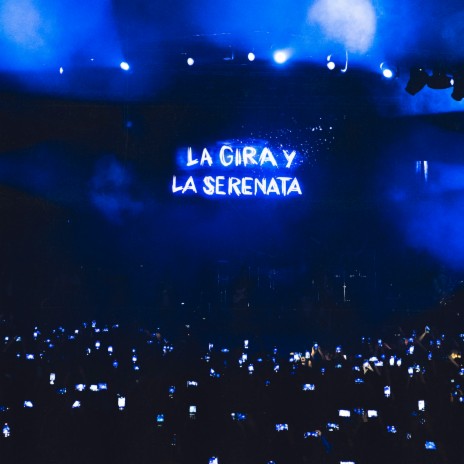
(338,61)
(124,66)
(190,61)
(251,56)
(418,79)
(458,88)
(330,64)
(61,70)
(439,81)
(388,71)
(281,56)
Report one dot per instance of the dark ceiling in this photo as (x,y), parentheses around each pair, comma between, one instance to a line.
(87,42)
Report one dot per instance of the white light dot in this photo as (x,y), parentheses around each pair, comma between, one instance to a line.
(61,70)
(387,73)
(251,56)
(190,61)
(280,57)
(124,66)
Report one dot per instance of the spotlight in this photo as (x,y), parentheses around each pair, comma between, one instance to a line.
(124,66)
(251,56)
(439,80)
(458,88)
(330,64)
(281,56)
(388,71)
(338,61)
(418,79)
(190,61)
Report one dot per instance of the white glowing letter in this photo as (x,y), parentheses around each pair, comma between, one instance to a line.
(234,184)
(219,184)
(267,157)
(238,157)
(190,185)
(273,187)
(190,161)
(294,187)
(261,184)
(289,157)
(230,158)
(208,186)
(249,154)
(174,186)
(284,184)
(246,189)
(205,157)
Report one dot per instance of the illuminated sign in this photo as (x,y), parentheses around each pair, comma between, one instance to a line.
(247,167)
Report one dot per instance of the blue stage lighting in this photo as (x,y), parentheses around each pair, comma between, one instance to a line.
(124,66)
(281,56)
(330,63)
(338,61)
(388,71)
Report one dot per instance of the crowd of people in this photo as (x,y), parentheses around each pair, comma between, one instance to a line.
(99,393)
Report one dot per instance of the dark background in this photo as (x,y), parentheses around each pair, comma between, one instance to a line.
(89,226)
